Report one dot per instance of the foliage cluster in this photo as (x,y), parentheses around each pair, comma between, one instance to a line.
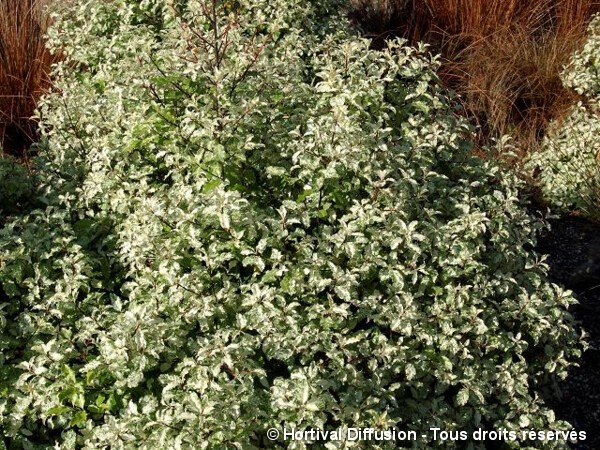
(252,220)
(569,163)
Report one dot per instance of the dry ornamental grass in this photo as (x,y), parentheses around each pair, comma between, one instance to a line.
(24,71)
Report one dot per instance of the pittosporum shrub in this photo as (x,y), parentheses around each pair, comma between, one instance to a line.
(252,220)
(569,164)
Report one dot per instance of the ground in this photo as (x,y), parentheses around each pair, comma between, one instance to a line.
(573,244)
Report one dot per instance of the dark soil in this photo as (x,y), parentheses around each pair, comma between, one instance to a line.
(573,246)
(16,141)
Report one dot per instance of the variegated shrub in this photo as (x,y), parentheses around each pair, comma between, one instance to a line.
(569,165)
(252,220)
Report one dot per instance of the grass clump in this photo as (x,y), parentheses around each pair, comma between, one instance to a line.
(25,63)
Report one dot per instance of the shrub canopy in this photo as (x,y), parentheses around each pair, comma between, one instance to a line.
(251,220)
(569,165)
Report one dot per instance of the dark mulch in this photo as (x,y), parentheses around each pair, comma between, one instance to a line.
(573,246)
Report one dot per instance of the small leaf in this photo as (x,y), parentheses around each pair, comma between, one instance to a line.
(462,397)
